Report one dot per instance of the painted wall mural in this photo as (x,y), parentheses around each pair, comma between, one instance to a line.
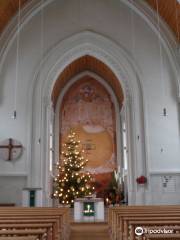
(87,108)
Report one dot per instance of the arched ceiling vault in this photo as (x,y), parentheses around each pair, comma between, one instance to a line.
(170,12)
(87,63)
(168,9)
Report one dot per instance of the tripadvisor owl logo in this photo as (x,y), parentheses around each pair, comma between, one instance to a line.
(139,231)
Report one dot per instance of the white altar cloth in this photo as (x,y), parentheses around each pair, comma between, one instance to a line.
(79,209)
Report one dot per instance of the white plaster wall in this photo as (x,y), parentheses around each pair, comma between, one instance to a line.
(111,19)
(164,194)
(11,189)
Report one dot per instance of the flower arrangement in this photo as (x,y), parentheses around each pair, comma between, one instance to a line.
(114,192)
(141,180)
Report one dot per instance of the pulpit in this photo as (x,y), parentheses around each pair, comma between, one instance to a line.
(88,209)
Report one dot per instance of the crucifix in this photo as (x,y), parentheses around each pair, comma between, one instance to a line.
(10,147)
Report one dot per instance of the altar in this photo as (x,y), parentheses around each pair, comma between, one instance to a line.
(88,209)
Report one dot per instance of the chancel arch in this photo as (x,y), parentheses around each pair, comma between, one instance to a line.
(110,62)
(90,103)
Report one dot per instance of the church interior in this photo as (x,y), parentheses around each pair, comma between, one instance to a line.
(89,119)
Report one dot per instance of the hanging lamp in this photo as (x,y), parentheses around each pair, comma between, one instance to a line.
(14,115)
(162,77)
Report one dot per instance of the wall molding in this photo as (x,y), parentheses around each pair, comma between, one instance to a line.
(13,174)
(165,172)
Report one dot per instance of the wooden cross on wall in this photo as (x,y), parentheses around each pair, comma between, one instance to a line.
(10,146)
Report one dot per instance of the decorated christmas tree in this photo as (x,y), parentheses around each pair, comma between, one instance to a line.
(72,181)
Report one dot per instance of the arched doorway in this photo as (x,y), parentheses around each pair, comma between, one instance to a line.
(88,97)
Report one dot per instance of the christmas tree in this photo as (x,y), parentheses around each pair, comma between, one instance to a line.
(71,182)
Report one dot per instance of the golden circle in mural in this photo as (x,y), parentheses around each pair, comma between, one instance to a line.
(97,143)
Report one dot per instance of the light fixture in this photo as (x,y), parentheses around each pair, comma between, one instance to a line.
(162,77)
(40,73)
(14,115)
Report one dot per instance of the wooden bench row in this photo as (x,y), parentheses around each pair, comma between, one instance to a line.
(19,238)
(124,220)
(34,223)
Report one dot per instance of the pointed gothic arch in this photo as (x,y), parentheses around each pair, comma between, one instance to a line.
(128,74)
(92,124)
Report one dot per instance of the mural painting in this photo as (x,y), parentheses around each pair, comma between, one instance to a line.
(87,108)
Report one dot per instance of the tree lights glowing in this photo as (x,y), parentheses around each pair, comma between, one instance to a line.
(71,182)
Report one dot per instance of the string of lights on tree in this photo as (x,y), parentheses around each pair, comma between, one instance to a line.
(71,181)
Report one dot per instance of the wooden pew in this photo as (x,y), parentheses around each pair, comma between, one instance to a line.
(163,236)
(135,211)
(7,205)
(49,224)
(47,227)
(19,238)
(58,217)
(62,214)
(38,233)
(123,220)
(122,230)
(123,224)
(25,225)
